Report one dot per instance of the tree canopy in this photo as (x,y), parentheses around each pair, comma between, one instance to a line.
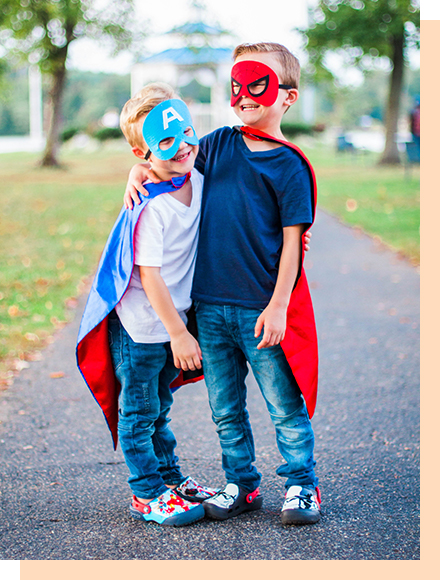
(41,31)
(363,31)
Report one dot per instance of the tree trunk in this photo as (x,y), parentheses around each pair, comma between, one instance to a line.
(50,153)
(390,155)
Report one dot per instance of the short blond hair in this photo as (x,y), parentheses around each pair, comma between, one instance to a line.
(289,63)
(140,105)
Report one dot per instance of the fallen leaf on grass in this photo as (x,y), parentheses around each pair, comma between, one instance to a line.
(351,205)
(71,302)
(14,311)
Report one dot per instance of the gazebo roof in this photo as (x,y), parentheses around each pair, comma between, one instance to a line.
(191,56)
(197,28)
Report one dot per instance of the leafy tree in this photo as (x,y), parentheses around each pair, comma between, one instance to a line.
(41,32)
(363,31)
(89,95)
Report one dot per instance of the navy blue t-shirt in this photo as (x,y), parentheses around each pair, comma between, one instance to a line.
(248,197)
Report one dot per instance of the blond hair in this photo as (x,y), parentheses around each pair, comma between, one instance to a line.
(289,63)
(140,105)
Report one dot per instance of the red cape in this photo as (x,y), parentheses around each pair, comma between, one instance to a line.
(300,343)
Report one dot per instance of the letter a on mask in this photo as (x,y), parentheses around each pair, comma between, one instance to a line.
(170,115)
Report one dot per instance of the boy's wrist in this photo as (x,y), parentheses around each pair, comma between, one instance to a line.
(279,303)
(178,332)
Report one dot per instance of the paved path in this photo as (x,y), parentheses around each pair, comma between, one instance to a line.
(64,493)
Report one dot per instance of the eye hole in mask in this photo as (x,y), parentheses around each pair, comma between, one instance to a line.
(236,87)
(167,143)
(259,87)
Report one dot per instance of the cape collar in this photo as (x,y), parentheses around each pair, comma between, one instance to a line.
(167,186)
(257,135)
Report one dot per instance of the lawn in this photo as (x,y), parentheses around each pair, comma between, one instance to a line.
(55,223)
(53,228)
(383,201)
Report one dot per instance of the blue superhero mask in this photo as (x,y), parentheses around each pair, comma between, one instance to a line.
(166,126)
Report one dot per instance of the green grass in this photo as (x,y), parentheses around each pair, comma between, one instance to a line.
(53,228)
(55,222)
(383,201)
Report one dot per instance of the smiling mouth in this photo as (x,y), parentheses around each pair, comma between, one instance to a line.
(182,157)
(249,107)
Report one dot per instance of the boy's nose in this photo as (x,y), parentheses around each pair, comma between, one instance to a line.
(182,145)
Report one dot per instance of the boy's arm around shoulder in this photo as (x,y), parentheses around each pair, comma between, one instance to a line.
(273,318)
(186,351)
(139,173)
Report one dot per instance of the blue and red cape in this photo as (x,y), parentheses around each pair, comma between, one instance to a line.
(109,285)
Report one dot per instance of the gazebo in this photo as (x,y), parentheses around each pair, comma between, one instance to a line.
(199,60)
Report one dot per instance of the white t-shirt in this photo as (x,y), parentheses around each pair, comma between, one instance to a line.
(166,236)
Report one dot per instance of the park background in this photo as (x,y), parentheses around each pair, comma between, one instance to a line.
(21,170)
(70,192)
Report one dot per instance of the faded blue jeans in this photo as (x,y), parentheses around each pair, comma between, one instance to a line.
(145,372)
(226,337)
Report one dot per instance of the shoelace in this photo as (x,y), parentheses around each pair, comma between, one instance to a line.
(307,500)
(225,495)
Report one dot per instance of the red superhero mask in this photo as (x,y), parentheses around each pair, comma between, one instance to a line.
(255,80)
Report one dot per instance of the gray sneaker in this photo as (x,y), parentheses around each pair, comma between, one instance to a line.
(231,501)
(301,506)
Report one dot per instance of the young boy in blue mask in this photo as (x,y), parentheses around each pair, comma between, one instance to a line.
(133,340)
(259,199)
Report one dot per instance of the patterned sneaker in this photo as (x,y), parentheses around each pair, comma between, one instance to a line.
(168,509)
(231,501)
(301,506)
(191,491)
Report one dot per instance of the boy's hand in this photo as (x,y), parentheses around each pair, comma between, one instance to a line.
(186,352)
(138,174)
(307,237)
(273,319)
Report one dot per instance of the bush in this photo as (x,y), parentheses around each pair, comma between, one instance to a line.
(293,129)
(68,133)
(106,133)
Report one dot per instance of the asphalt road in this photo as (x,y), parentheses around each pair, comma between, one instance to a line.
(64,493)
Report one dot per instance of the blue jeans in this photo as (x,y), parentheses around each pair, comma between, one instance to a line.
(226,337)
(145,372)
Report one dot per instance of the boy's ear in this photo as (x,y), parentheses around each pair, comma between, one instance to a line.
(291,97)
(138,152)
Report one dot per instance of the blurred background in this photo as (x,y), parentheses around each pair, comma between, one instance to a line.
(67,68)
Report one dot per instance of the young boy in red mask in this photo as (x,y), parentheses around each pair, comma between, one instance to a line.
(259,199)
